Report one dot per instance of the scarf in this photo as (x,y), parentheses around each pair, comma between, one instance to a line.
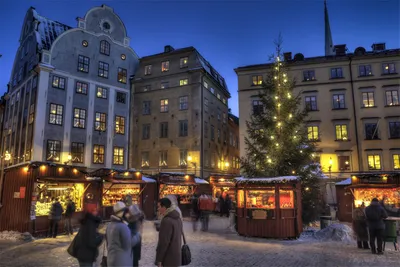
(167,211)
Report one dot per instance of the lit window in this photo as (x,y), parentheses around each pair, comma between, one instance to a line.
(183,82)
(224,101)
(53,150)
(31,113)
(145,159)
(56,114)
(100,122)
(98,154)
(392,98)
(77,152)
(183,103)
(257,80)
(374,162)
(101,92)
(58,82)
(118,158)
(103,70)
(147,70)
(165,66)
(205,84)
(184,62)
(79,118)
(83,64)
(313,133)
(308,75)
(119,125)
(388,68)
(81,88)
(105,48)
(122,75)
(164,105)
(341,132)
(123,56)
(396,161)
(163,160)
(338,101)
(364,70)
(368,99)
(344,163)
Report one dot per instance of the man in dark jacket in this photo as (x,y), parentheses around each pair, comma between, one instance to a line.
(56,212)
(170,236)
(375,214)
(68,216)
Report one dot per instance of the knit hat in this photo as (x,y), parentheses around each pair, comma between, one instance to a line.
(135,210)
(119,207)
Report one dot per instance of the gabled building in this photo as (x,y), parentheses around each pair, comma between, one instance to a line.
(180,116)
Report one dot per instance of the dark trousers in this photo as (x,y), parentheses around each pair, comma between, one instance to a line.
(362,244)
(68,225)
(53,228)
(378,235)
(85,264)
(195,219)
(205,219)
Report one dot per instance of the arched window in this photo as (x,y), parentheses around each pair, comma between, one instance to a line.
(105,48)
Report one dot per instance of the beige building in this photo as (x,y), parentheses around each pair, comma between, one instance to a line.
(180,116)
(353,103)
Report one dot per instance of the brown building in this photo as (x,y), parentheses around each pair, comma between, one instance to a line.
(180,116)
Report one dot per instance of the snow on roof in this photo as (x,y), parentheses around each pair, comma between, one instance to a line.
(266,180)
(48,31)
(344,182)
(148,180)
(200,181)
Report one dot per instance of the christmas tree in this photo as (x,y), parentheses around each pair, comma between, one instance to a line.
(277,142)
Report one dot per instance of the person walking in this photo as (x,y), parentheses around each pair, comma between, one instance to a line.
(375,214)
(169,247)
(69,212)
(205,204)
(88,239)
(360,227)
(55,214)
(135,225)
(227,205)
(221,204)
(120,241)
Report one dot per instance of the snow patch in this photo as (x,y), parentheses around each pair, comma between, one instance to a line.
(148,180)
(200,181)
(13,235)
(272,179)
(344,182)
(334,232)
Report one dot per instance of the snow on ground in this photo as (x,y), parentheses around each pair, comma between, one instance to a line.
(334,232)
(15,236)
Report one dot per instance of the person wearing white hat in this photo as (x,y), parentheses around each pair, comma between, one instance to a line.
(119,239)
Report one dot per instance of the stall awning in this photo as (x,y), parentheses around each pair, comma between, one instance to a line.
(62,180)
(127,181)
(372,186)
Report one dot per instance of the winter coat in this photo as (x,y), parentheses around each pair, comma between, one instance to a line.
(360,224)
(56,211)
(375,214)
(88,239)
(120,242)
(170,240)
(137,249)
(70,209)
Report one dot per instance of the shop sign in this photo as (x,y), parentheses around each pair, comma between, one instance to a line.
(17,194)
(259,214)
(176,179)
(22,191)
(374,180)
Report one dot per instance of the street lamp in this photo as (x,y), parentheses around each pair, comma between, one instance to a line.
(189,158)
(69,158)
(226,165)
(330,167)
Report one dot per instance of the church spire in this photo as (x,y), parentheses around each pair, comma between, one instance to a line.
(329,50)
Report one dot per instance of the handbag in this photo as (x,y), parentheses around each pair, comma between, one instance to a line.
(186,255)
(72,247)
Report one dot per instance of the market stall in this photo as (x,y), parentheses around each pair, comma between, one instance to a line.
(222,185)
(182,185)
(269,207)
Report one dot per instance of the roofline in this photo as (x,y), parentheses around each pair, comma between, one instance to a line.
(176,51)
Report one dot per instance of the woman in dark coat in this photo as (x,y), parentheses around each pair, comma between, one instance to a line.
(88,239)
(135,225)
(360,227)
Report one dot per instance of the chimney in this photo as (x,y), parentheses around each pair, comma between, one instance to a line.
(340,50)
(168,49)
(287,56)
(377,47)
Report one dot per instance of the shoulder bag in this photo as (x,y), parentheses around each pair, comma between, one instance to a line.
(186,255)
(72,249)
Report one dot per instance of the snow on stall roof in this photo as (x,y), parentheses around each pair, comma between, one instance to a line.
(200,181)
(48,31)
(344,182)
(148,180)
(267,180)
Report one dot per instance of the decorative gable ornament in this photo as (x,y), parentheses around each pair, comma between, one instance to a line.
(106,26)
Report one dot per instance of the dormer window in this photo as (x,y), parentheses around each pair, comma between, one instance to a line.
(105,47)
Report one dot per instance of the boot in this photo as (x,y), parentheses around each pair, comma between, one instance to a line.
(359,244)
(365,245)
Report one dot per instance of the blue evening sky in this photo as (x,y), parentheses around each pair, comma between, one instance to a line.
(228,33)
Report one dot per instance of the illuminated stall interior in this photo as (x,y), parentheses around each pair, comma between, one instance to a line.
(365,195)
(223,186)
(265,199)
(184,191)
(116,192)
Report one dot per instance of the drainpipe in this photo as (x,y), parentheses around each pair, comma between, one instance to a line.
(355,116)
(201,127)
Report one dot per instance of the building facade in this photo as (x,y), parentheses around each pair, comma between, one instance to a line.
(68,97)
(180,116)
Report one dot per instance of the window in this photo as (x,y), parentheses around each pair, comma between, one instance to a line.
(146,108)
(183,103)
(83,64)
(311,103)
(338,101)
(219,114)
(183,82)
(119,125)
(205,129)
(31,113)
(205,84)
(118,158)
(145,159)
(146,131)
(212,133)
(103,70)
(121,97)
(58,82)
(392,98)
(105,48)
(183,128)
(396,161)
(218,135)
(184,62)
(341,132)
(344,163)
(77,152)
(98,154)
(374,162)
(218,96)
(257,80)
(388,68)
(258,107)
(101,92)
(205,105)
(223,117)
(183,155)
(163,129)
(79,118)
(164,105)
(212,90)
(81,88)
(165,66)
(394,130)
(53,150)
(164,85)
(100,122)
(230,138)
(364,70)
(313,133)
(147,70)
(308,75)
(56,114)
(146,88)
(163,161)
(122,74)
(371,131)
(336,73)
(368,99)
